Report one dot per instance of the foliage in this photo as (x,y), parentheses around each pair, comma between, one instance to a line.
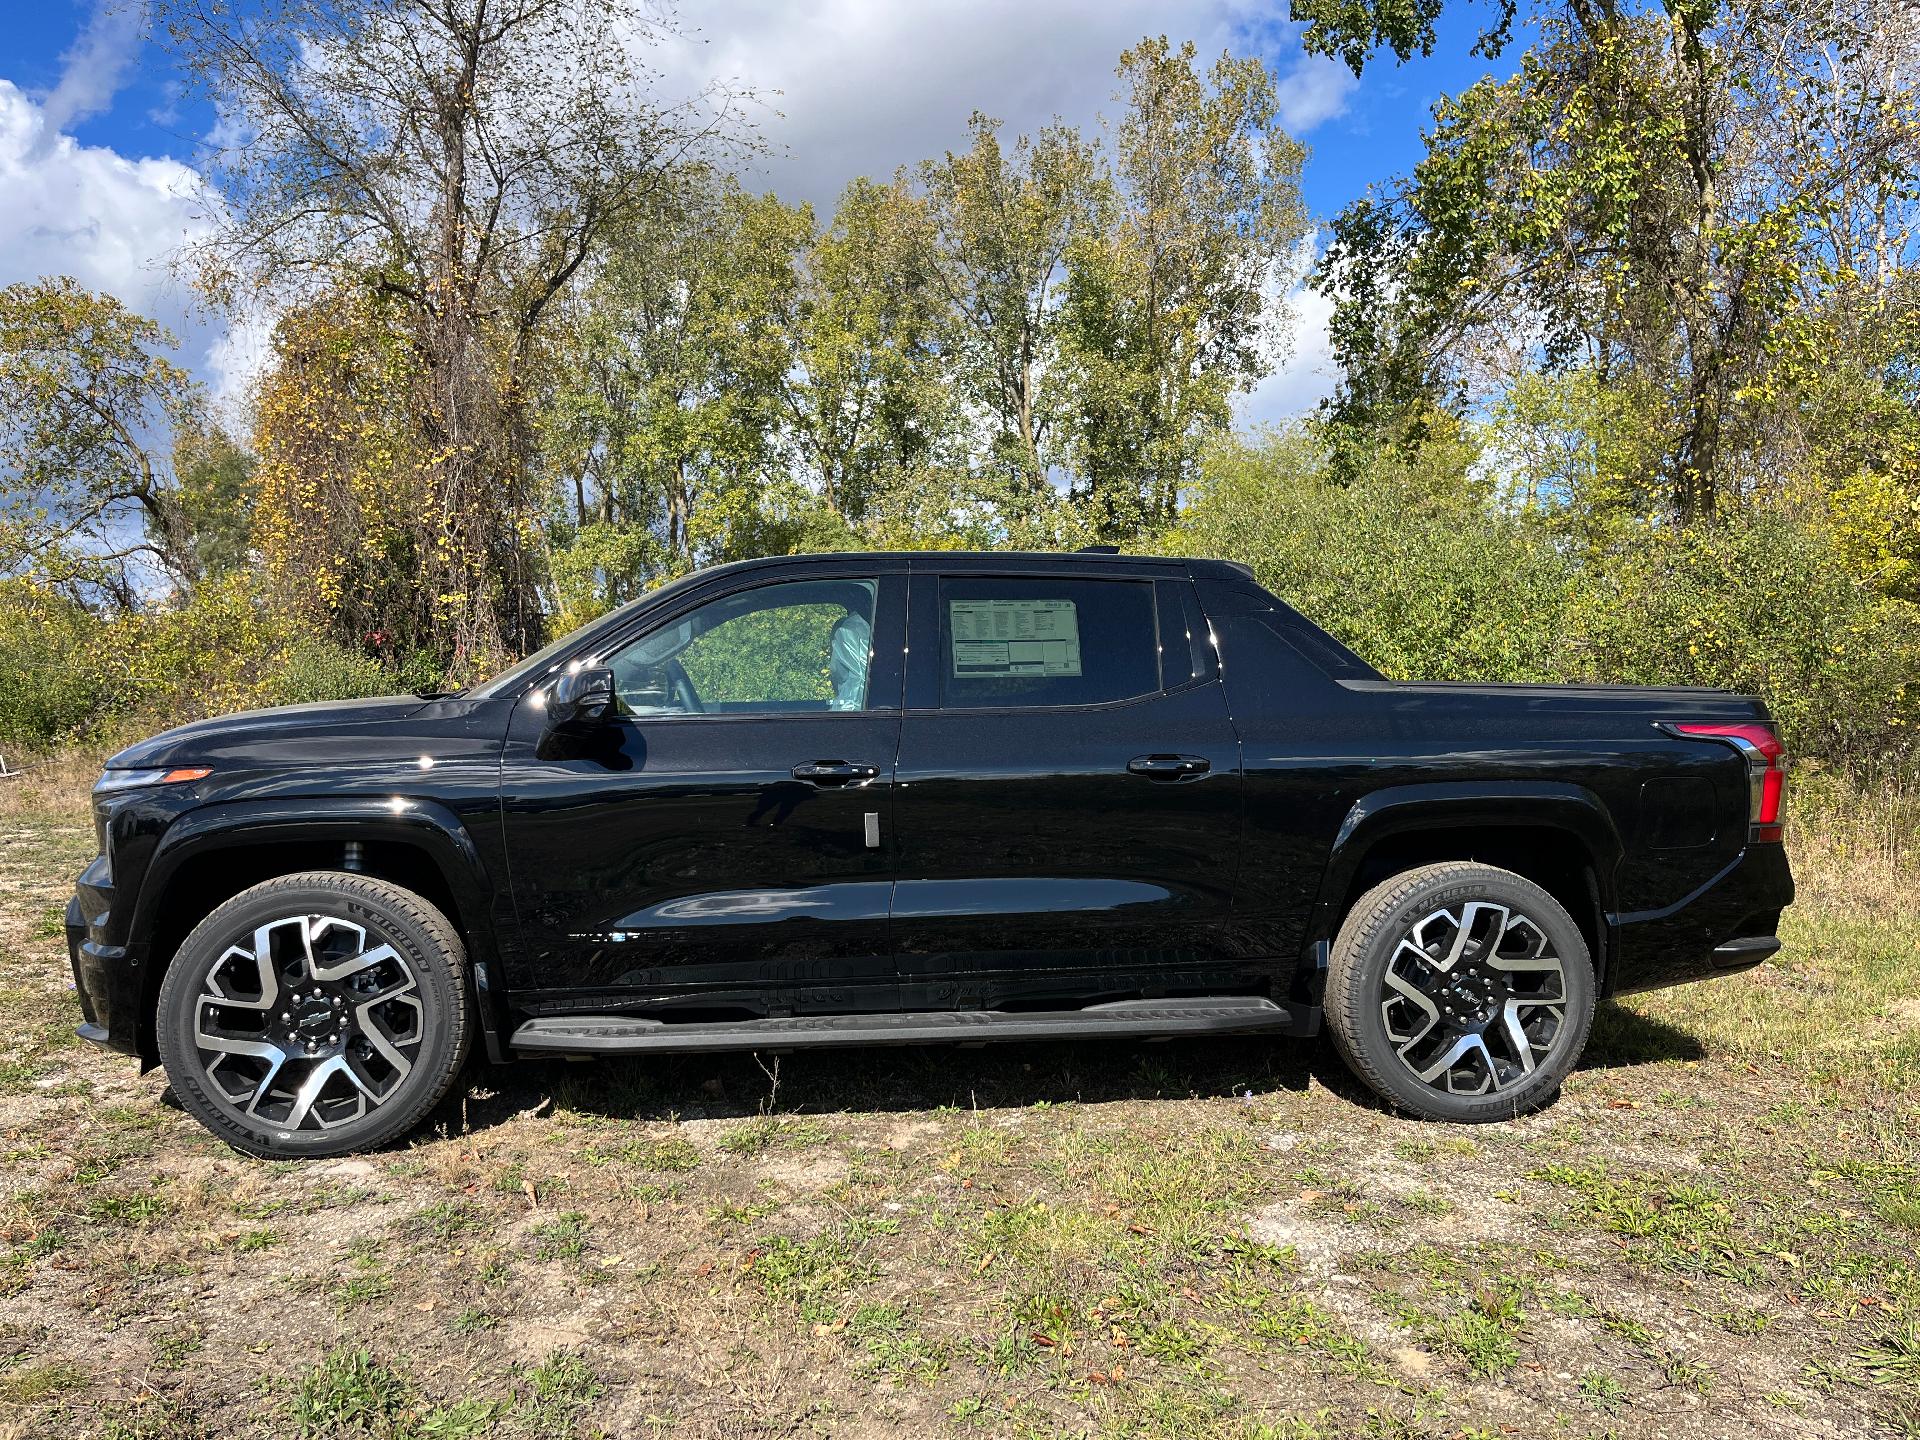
(1169,309)
(1412,570)
(1660,193)
(215,477)
(82,382)
(664,418)
(461,164)
(52,678)
(1427,578)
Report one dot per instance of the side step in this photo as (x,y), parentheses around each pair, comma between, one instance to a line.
(627,1035)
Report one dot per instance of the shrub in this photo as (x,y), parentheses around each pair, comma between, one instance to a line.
(1417,575)
(55,674)
(1433,580)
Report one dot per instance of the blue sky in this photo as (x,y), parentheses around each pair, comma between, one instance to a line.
(99,144)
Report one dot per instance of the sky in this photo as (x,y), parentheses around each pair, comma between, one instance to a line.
(99,140)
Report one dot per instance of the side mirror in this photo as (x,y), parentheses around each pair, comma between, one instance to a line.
(579,701)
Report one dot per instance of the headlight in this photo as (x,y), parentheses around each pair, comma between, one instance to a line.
(111,782)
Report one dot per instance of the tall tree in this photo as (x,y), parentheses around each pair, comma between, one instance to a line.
(1175,305)
(87,399)
(465,158)
(870,407)
(672,385)
(1001,226)
(215,477)
(1653,195)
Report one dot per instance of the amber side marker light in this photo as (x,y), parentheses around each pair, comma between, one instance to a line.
(1766,771)
(181,776)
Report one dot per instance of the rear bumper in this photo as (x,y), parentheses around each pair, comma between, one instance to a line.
(1727,925)
(107,977)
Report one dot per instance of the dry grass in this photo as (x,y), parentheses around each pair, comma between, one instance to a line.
(1711,1234)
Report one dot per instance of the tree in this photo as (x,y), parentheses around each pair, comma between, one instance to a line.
(215,477)
(86,400)
(670,404)
(463,159)
(1172,307)
(338,519)
(1000,228)
(1654,194)
(872,415)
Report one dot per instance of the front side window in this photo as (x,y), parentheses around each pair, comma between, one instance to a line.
(806,645)
(1042,641)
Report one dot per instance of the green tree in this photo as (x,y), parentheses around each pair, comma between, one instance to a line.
(1171,308)
(1653,195)
(87,397)
(1001,227)
(669,410)
(874,420)
(215,478)
(464,159)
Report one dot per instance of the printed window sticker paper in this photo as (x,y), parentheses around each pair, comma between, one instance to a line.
(999,638)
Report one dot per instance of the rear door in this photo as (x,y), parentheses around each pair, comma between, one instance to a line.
(1068,789)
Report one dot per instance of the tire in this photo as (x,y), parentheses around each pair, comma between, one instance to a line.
(1453,966)
(350,1033)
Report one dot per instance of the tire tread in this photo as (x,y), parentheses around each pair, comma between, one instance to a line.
(367,889)
(1346,1001)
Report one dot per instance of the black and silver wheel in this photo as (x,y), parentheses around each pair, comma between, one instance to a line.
(315,1014)
(1460,992)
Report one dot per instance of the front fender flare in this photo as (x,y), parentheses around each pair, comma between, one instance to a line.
(426,825)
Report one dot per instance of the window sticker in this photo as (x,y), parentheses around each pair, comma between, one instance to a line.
(998,638)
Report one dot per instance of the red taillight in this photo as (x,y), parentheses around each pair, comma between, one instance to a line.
(1766,770)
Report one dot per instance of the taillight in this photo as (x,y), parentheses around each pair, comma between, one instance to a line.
(1766,771)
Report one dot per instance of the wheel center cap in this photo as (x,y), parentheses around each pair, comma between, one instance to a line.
(315,1017)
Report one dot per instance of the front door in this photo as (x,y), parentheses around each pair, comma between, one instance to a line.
(724,847)
(1068,803)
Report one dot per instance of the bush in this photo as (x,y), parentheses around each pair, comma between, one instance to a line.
(1431,580)
(55,674)
(1763,605)
(66,673)
(1415,574)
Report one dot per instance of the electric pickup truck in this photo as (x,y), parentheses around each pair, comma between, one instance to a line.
(887,799)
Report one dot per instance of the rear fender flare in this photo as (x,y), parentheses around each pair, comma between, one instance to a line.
(1464,805)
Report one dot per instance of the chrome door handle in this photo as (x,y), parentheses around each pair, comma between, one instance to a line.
(1168,767)
(835,772)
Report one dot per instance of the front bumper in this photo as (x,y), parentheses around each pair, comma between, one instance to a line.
(108,977)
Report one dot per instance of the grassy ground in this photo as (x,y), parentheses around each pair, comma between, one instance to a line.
(1712,1233)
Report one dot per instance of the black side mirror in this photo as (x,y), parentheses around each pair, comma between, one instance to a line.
(580,701)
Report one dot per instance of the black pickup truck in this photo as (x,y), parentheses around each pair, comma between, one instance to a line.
(911,798)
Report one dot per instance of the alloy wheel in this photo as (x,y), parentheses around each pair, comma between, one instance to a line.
(310,1024)
(1473,998)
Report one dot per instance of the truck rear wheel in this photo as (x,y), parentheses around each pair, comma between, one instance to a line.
(315,1014)
(1460,992)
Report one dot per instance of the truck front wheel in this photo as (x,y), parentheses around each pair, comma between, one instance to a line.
(1460,992)
(315,1014)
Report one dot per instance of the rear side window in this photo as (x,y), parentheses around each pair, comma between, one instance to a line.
(1044,641)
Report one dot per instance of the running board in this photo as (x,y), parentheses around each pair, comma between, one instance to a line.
(628,1035)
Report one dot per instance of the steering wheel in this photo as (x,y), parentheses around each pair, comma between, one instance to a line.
(680,687)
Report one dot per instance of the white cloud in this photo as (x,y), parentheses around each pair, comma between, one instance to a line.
(109,222)
(865,86)
(1312,92)
(1309,372)
(93,67)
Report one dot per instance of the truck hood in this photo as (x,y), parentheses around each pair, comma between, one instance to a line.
(387,728)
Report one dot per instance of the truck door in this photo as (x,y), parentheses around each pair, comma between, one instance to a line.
(1068,791)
